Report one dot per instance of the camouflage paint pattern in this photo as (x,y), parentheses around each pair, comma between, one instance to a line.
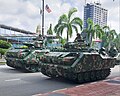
(29,58)
(22,58)
(77,65)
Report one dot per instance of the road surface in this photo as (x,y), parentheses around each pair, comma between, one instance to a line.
(19,83)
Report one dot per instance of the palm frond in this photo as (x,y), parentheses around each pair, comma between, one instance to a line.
(106,28)
(77,21)
(71,11)
(63,18)
(60,29)
(75,28)
(56,27)
(69,30)
(90,24)
(97,26)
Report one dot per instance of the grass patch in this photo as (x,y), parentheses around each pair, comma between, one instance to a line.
(2,63)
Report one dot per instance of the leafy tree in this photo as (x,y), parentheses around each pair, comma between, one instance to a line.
(49,31)
(66,22)
(3,51)
(38,29)
(117,42)
(5,44)
(63,41)
(104,33)
(109,36)
(90,30)
(93,31)
(98,31)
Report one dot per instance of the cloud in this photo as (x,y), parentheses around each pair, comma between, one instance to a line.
(25,13)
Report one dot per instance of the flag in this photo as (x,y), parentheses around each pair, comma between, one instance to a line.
(47,9)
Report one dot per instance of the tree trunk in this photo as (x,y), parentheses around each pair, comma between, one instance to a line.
(67,37)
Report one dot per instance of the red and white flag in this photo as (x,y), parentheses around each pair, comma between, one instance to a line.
(47,8)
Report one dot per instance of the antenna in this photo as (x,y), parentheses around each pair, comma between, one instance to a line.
(99,1)
(85,2)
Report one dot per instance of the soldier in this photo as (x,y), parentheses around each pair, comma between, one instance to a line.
(113,51)
(78,38)
(40,37)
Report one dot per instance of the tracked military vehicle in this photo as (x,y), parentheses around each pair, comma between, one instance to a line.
(27,57)
(78,62)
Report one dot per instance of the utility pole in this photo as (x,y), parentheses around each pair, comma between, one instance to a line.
(42,17)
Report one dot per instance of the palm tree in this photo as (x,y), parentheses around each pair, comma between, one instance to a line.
(109,36)
(98,31)
(49,31)
(94,30)
(90,30)
(65,22)
(117,42)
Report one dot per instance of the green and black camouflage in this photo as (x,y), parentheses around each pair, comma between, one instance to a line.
(77,62)
(28,57)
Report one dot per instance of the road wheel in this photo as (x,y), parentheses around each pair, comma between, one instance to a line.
(103,76)
(38,68)
(86,76)
(92,76)
(80,78)
(72,76)
(27,67)
(33,68)
(98,74)
(107,72)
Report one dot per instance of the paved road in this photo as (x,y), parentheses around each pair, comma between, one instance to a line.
(19,83)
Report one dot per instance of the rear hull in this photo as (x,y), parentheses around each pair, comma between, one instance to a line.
(23,64)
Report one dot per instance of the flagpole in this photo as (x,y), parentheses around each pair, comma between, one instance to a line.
(119,16)
(119,28)
(42,17)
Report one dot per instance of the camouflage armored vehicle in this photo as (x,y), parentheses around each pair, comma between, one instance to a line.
(78,62)
(27,57)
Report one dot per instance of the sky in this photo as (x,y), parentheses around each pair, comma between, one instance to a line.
(24,14)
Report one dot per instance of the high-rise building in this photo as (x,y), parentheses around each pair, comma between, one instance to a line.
(95,12)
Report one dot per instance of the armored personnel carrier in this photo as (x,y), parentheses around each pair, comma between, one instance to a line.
(78,62)
(27,57)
